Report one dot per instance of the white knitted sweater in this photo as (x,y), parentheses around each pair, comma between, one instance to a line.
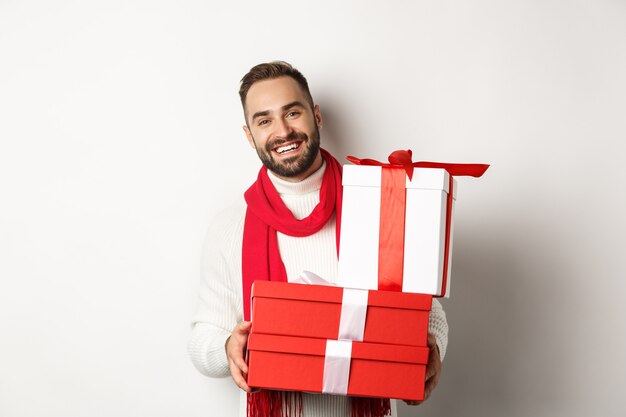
(220,305)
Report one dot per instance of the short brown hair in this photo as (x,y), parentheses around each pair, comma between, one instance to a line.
(269,71)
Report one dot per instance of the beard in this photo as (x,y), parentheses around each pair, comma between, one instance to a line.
(296,165)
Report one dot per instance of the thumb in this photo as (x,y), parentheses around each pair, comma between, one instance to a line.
(244,327)
(432,341)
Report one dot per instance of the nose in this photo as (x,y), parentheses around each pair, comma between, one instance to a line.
(283,129)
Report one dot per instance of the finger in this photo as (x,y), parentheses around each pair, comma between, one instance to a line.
(432,344)
(236,342)
(431,384)
(241,364)
(428,389)
(433,373)
(434,381)
(429,373)
(235,354)
(237,376)
(432,369)
(241,383)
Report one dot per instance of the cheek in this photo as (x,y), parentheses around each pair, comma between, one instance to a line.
(258,136)
(261,140)
(304,126)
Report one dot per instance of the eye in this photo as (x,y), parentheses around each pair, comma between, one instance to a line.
(293,114)
(263,122)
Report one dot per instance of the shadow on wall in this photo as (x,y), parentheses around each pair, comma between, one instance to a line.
(339,135)
(483,313)
(333,132)
(488,312)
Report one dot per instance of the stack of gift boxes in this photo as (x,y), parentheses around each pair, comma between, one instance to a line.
(367,335)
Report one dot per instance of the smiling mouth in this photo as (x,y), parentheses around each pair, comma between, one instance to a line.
(287,148)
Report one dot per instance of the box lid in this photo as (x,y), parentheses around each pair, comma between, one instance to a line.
(332,294)
(423,178)
(317,347)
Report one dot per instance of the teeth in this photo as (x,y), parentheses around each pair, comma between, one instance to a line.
(283,149)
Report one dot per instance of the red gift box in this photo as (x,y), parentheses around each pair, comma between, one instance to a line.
(315,310)
(375,370)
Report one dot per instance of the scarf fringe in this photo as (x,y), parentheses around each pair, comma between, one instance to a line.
(268,403)
(370,407)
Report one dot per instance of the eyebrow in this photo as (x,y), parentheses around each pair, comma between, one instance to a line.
(287,106)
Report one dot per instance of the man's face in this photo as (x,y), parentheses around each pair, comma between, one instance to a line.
(283,128)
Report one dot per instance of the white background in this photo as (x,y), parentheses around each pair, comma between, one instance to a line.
(120,131)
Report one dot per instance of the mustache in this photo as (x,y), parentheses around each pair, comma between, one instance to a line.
(289,138)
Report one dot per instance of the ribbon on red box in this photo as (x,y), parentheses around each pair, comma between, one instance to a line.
(338,353)
(353,307)
(393,207)
(337,358)
(351,328)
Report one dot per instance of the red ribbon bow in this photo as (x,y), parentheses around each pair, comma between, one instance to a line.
(403,159)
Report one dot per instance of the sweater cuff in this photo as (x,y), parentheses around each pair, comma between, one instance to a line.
(438,327)
(207,351)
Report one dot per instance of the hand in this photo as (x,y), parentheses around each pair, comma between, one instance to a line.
(235,349)
(433,370)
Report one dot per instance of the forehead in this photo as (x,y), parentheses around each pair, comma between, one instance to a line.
(269,95)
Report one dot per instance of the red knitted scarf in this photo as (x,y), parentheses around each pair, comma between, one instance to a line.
(266,215)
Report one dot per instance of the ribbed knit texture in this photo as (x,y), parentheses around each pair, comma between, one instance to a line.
(220,305)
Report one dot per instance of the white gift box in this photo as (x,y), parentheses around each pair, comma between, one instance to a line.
(424,230)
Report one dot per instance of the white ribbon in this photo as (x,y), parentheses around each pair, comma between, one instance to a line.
(337,367)
(353,307)
(353,313)
(351,327)
(307,277)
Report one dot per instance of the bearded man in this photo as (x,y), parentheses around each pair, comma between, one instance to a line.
(287,224)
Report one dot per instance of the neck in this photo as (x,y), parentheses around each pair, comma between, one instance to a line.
(310,184)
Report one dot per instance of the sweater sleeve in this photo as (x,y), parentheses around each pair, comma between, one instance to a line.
(219,303)
(438,326)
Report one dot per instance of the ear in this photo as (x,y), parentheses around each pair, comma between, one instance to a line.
(318,116)
(249,136)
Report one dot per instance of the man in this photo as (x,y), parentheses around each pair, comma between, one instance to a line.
(286,226)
